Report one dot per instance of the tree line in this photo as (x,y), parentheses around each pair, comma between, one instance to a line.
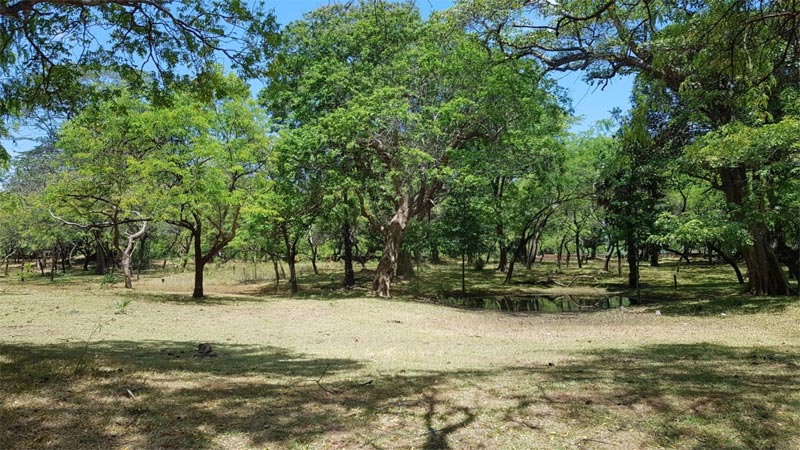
(380,133)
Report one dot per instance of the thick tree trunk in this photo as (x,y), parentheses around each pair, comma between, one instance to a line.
(393,235)
(405,264)
(347,242)
(578,247)
(765,274)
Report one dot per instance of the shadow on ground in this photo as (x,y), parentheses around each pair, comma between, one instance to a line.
(159,394)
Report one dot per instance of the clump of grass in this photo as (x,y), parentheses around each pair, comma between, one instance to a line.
(121,305)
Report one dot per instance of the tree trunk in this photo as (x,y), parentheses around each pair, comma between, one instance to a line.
(534,249)
(393,234)
(609,254)
(127,256)
(502,263)
(101,258)
(633,265)
(764,271)
(347,242)
(518,253)
(54,266)
(290,260)
(405,264)
(314,250)
(498,188)
(463,274)
(728,259)
(435,259)
(765,274)
(199,261)
(654,252)
(578,246)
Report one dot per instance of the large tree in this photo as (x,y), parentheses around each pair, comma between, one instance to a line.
(395,97)
(725,60)
(48,48)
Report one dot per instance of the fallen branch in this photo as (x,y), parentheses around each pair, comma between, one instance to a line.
(338,391)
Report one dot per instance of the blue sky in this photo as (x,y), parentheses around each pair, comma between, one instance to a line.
(589,102)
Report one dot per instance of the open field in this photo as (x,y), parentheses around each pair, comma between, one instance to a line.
(85,365)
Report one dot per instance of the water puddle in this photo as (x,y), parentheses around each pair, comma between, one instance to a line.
(538,303)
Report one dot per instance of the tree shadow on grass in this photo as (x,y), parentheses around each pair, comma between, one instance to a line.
(718,304)
(156,394)
(699,396)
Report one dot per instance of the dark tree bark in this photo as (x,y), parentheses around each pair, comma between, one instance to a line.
(314,250)
(633,264)
(347,243)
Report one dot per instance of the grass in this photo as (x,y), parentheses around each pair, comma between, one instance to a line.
(339,369)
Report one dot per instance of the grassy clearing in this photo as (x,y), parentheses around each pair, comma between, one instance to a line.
(339,369)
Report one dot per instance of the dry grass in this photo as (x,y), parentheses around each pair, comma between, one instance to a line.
(339,369)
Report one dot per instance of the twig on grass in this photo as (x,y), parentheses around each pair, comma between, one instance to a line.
(338,391)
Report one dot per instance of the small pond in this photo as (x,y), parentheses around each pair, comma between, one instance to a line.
(538,303)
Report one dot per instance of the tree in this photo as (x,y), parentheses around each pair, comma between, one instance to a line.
(465,222)
(727,61)
(290,198)
(48,48)
(215,150)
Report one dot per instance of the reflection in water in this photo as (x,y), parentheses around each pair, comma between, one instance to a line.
(539,303)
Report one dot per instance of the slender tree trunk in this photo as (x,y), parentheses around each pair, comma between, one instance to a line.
(519,252)
(127,256)
(463,274)
(633,264)
(498,188)
(728,259)
(502,261)
(54,266)
(609,254)
(347,242)
(534,249)
(199,261)
(142,255)
(578,245)
(314,250)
